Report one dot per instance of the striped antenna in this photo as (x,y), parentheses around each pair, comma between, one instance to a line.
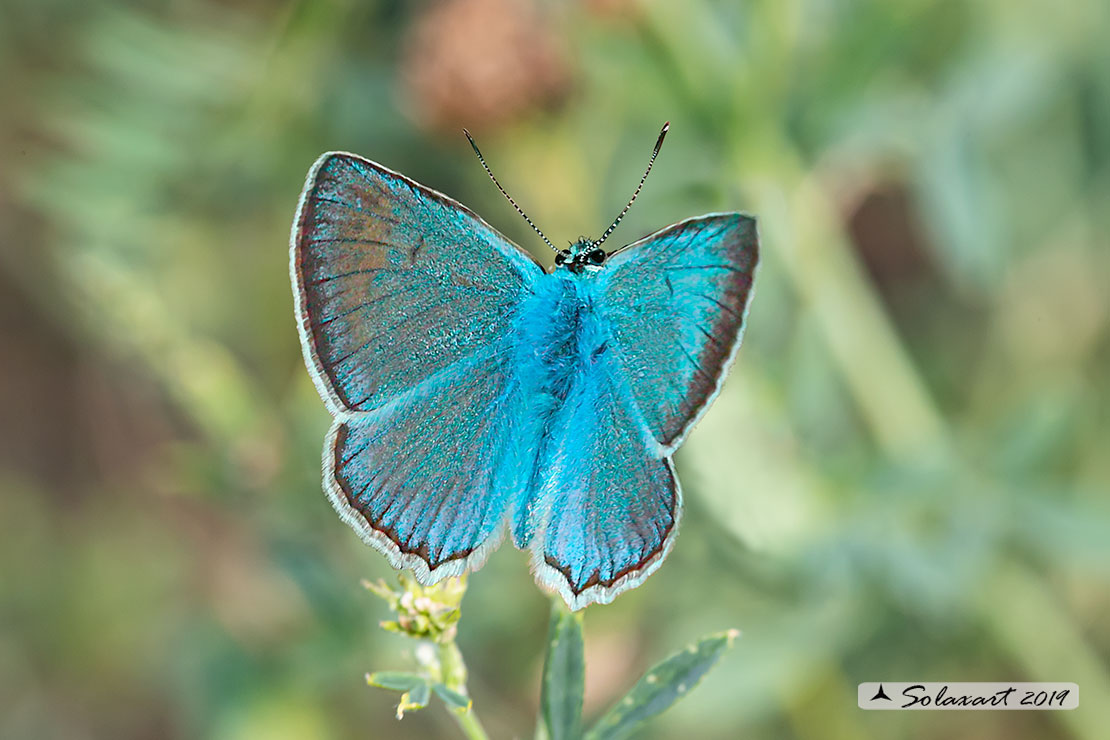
(510,198)
(654,154)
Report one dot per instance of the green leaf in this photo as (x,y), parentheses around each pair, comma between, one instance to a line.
(661,687)
(395,680)
(452,698)
(563,676)
(415,699)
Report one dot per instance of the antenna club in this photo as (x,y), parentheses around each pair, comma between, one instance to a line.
(651,162)
(473,144)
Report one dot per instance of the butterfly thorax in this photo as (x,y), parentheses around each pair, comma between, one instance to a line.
(581,256)
(561,334)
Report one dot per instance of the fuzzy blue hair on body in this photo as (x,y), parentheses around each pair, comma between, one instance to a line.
(475,392)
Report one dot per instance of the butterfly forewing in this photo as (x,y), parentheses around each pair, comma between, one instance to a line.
(675,305)
(395,282)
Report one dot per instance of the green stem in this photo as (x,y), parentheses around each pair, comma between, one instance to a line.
(452,669)
(469,724)
(452,672)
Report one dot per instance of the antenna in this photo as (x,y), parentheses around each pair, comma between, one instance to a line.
(654,154)
(518,208)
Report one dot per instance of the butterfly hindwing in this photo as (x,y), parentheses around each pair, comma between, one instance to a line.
(419,477)
(406,303)
(609,497)
(675,303)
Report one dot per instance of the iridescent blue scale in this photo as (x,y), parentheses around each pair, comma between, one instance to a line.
(474,392)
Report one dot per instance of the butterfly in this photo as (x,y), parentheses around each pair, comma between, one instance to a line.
(475,392)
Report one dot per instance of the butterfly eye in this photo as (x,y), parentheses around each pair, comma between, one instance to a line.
(561,257)
(596,257)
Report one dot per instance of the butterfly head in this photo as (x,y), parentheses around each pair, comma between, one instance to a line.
(581,256)
(584,255)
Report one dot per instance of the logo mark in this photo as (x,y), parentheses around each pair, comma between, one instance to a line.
(880,694)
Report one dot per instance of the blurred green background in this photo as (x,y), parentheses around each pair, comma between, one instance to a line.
(905,477)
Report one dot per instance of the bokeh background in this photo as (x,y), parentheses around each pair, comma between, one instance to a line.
(905,478)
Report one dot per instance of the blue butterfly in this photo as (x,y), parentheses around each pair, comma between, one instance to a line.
(476,392)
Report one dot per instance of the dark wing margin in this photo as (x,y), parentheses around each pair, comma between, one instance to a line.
(676,302)
(394,282)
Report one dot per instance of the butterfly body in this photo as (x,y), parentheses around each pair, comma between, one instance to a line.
(561,342)
(475,392)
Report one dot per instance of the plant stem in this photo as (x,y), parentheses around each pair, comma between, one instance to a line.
(469,724)
(452,671)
